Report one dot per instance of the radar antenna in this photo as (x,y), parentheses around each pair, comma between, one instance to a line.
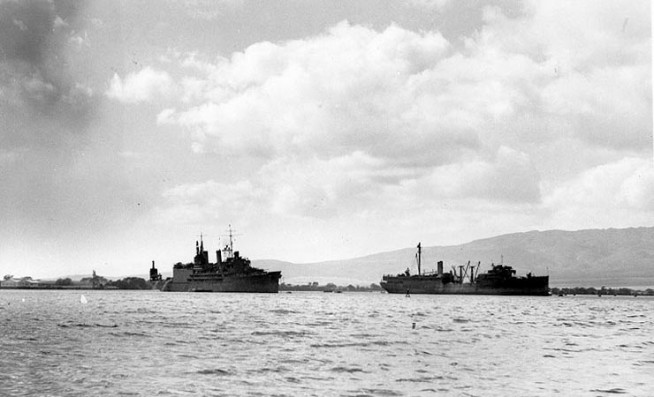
(229,248)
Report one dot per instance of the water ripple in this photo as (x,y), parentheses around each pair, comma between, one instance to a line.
(350,344)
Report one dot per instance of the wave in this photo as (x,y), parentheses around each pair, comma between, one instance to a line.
(421,379)
(214,371)
(378,392)
(346,370)
(288,334)
(616,390)
(85,325)
(357,344)
(283,311)
(130,334)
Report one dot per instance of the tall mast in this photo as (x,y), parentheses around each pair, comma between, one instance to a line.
(228,250)
(419,257)
(231,241)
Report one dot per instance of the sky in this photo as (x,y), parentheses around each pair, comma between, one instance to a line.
(318,130)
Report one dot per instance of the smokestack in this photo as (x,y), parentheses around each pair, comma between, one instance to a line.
(219,259)
(440,268)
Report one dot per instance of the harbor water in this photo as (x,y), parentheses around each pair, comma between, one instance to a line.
(150,343)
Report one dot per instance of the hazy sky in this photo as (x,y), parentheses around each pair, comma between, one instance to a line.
(318,129)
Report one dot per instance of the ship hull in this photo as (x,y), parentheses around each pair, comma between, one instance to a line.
(257,283)
(535,286)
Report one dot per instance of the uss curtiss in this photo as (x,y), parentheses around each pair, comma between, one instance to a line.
(230,273)
(500,280)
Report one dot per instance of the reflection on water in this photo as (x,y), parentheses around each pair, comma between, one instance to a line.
(357,344)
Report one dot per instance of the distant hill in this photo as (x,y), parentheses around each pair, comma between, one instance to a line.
(610,257)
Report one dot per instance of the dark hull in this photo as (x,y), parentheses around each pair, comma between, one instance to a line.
(211,282)
(538,286)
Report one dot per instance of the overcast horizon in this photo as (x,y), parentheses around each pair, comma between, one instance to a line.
(318,130)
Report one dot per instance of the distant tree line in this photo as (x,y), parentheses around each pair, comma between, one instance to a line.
(600,291)
(329,287)
(125,283)
(129,283)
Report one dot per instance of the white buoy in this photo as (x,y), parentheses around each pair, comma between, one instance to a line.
(83,300)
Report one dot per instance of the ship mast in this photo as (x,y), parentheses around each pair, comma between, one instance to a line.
(229,248)
(231,240)
(419,257)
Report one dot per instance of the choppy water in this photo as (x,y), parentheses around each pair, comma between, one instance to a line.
(301,344)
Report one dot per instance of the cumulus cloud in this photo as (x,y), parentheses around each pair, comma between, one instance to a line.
(350,88)
(350,120)
(581,71)
(616,194)
(141,86)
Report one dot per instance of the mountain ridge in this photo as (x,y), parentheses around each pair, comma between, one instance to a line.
(589,257)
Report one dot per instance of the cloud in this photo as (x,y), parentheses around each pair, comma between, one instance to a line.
(202,202)
(78,40)
(166,116)
(616,194)
(209,9)
(582,75)
(438,4)
(9,157)
(605,107)
(60,23)
(358,122)
(355,88)
(286,188)
(324,94)
(353,185)
(35,77)
(54,172)
(508,177)
(142,86)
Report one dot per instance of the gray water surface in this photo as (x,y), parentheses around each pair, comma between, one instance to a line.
(148,343)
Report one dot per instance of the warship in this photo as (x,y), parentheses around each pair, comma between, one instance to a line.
(230,273)
(499,280)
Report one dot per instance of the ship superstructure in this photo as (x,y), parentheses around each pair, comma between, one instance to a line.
(499,280)
(230,273)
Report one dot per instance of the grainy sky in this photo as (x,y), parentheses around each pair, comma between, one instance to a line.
(317,129)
